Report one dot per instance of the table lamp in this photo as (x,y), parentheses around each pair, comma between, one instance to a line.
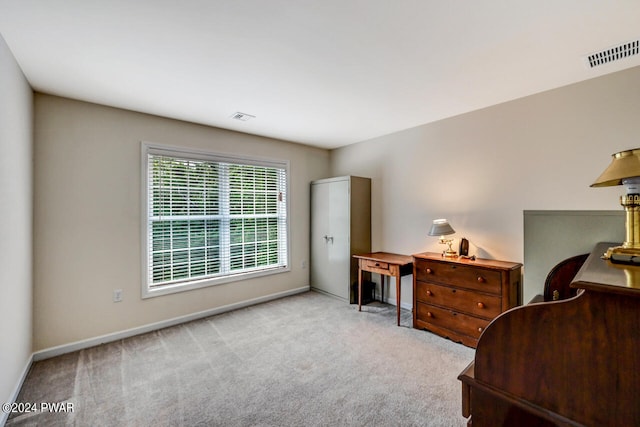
(441,227)
(625,170)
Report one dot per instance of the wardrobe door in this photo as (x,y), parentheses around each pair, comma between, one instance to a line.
(333,235)
(339,250)
(320,267)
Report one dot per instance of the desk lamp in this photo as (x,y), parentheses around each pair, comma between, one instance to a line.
(625,170)
(441,227)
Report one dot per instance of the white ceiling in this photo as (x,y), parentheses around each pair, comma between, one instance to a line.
(321,72)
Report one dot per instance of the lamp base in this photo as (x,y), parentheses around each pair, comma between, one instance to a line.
(450,254)
(623,255)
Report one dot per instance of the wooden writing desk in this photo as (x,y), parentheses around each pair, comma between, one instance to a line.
(571,362)
(385,264)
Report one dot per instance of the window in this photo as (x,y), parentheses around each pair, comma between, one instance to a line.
(211,218)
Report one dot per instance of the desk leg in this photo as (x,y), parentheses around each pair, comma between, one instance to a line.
(359,289)
(382,287)
(398,295)
(466,400)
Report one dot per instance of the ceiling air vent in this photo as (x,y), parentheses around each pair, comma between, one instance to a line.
(242,116)
(615,53)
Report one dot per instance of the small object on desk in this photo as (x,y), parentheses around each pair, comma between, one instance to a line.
(624,259)
(464,247)
(385,264)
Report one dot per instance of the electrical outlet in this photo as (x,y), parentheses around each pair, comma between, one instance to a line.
(304,264)
(117,295)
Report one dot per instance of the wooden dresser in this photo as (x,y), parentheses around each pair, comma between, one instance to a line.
(457,298)
(572,362)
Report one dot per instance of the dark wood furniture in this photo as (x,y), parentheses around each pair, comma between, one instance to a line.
(557,285)
(385,264)
(531,369)
(457,297)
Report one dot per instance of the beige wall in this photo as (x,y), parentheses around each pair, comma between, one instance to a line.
(482,169)
(88,222)
(16,118)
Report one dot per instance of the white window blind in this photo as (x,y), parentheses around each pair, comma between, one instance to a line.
(211,217)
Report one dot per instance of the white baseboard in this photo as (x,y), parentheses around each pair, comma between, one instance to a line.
(404,305)
(16,391)
(91,342)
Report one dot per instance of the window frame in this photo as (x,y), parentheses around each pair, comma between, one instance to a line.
(147,148)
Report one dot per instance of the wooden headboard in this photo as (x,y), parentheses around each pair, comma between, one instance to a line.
(552,236)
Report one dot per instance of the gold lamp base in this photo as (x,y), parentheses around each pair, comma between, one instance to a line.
(449,253)
(630,249)
(622,254)
(621,250)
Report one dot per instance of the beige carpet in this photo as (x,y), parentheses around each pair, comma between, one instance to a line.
(306,360)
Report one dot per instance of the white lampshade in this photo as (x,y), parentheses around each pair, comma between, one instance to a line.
(440,227)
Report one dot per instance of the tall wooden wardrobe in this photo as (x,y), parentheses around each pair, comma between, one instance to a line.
(340,228)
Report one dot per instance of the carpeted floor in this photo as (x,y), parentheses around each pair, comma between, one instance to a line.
(306,360)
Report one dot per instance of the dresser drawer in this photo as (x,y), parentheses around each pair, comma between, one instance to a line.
(471,302)
(451,320)
(460,275)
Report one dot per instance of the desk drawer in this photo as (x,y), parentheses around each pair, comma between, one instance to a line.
(483,305)
(375,264)
(461,323)
(379,267)
(460,275)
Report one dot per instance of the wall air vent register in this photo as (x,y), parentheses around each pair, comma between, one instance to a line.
(612,54)
(242,116)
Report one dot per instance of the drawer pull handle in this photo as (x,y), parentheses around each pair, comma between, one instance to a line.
(481,279)
(480,305)
(453,290)
(479,329)
(429,314)
(377,264)
(429,293)
(429,271)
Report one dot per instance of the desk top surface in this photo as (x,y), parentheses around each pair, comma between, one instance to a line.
(387,257)
(601,275)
